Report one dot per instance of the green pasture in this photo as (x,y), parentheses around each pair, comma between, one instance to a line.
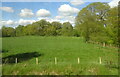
(67,50)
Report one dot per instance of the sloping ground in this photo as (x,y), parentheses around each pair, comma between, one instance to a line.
(67,50)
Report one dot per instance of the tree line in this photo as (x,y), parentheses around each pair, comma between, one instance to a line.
(97,22)
(40,28)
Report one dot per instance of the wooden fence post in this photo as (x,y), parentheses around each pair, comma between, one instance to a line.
(55,60)
(16,60)
(100,60)
(78,60)
(103,44)
(36,60)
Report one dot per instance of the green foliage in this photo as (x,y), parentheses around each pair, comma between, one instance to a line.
(53,29)
(41,25)
(112,25)
(8,31)
(58,27)
(98,22)
(41,28)
(67,29)
(19,30)
(50,31)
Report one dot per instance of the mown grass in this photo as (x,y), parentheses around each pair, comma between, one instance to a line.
(65,49)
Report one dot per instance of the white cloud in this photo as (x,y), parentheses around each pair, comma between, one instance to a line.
(113,3)
(71,18)
(43,13)
(59,17)
(24,22)
(48,19)
(7,9)
(65,19)
(9,22)
(67,10)
(77,2)
(67,14)
(26,13)
(53,19)
(2,23)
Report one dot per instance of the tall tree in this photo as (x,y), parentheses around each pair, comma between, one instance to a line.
(67,29)
(112,25)
(57,26)
(90,21)
(19,30)
(41,26)
(8,31)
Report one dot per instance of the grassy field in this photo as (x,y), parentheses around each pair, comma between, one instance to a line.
(65,49)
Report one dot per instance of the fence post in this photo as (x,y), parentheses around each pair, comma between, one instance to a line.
(36,60)
(100,60)
(16,60)
(55,60)
(103,44)
(78,60)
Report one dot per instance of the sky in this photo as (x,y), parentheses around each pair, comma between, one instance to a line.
(23,13)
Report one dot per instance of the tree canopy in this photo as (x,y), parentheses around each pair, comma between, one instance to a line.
(98,22)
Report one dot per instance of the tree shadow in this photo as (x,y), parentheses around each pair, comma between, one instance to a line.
(3,51)
(111,64)
(20,57)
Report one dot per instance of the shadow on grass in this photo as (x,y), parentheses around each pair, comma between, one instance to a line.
(112,65)
(3,51)
(20,57)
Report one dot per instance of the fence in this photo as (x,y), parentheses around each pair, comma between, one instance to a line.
(55,60)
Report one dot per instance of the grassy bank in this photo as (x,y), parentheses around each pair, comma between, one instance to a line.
(65,49)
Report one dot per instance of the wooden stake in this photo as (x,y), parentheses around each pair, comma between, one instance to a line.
(55,60)
(104,44)
(16,60)
(110,45)
(36,60)
(100,60)
(78,60)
